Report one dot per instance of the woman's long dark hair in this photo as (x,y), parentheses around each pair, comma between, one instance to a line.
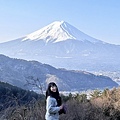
(53,94)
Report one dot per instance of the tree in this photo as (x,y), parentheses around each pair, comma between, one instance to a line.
(95,94)
(35,82)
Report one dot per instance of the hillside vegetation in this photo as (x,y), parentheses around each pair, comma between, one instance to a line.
(101,105)
(11,96)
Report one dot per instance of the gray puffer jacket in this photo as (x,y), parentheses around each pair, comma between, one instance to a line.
(52,109)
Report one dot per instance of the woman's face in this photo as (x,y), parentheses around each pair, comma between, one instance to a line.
(53,88)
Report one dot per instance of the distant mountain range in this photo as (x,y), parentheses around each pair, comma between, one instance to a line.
(64,46)
(17,72)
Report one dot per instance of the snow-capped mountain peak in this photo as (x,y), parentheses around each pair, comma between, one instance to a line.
(64,46)
(58,31)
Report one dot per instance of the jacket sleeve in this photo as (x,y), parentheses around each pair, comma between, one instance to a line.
(51,107)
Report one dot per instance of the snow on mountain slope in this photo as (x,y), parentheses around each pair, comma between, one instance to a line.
(59,31)
(62,45)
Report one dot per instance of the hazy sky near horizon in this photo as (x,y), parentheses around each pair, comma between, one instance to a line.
(98,18)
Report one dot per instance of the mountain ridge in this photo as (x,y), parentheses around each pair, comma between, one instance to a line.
(17,72)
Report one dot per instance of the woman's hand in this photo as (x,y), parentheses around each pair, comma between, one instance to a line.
(61,107)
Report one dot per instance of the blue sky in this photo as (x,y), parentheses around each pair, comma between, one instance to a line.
(97,18)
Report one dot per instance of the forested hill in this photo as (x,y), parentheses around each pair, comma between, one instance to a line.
(14,96)
(19,72)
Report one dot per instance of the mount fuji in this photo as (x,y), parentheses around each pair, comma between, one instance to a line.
(62,45)
(57,32)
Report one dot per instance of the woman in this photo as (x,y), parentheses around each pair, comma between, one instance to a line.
(54,105)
